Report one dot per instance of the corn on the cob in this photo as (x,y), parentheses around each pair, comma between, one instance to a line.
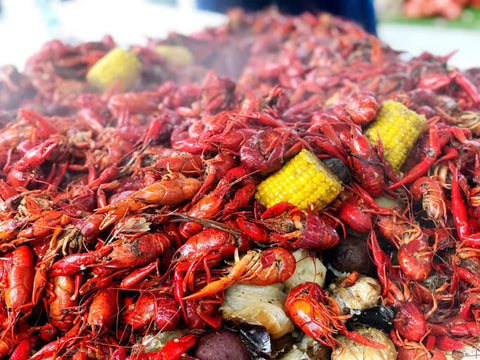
(398,128)
(174,54)
(302,181)
(118,65)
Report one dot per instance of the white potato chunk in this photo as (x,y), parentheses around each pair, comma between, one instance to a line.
(308,348)
(258,305)
(309,268)
(352,350)
(364,293)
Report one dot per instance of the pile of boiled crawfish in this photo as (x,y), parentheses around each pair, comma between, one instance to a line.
(119,206)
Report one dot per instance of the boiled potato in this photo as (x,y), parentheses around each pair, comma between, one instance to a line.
(351,254)
(221,345)
(258,305)
(308,348)
(352,350)
(309,268)
(364,293)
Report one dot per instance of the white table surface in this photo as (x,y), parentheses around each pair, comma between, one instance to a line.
(26,24)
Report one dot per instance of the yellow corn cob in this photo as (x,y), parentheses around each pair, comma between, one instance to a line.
(174,54)
(398,128)
(117,65)
(301,181)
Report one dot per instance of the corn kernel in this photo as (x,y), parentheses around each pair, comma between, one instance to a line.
(398,128)
(302,181)
(118,65)
(176,55)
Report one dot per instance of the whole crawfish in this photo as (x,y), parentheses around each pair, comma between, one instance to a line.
(256,267)
(319,316)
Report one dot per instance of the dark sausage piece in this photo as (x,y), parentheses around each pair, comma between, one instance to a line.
(221,345)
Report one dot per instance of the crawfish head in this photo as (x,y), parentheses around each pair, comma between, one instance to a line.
(362,108)
(410,322)
(317,235)
(264,151)
(351,211)
(160,308)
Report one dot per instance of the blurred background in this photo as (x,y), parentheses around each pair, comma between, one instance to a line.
(437,26)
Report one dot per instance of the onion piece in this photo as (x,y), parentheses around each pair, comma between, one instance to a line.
(309,268)
(258,305)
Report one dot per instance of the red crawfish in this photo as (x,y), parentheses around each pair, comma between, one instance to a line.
(433,199)
(265,151)
(411,350)
(365,163)
(51,349)
(61,299)
(137,275)
(256,267)
(414,252)
(44,225)
(354,213)
(9,229)
(134,103)
(459,213)
(421,167)
(319,316)
(391,278)
(215,169)
(294,228)
(207,207)
(348,143)
(176,347)
(18,272)
(159,308)
(22,350)
(206,248)
(438,81)
(171,190)
(172,350)
(10,340)
(27,169)
(360,108)
(438,137)
(123,254)
(103,310)
(176,161)
(456,330)
(410,322)
(199,313)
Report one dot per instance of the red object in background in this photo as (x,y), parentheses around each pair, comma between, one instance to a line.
(449,9)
